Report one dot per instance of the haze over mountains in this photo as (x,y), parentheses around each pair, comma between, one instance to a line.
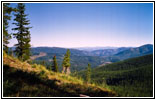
(94,48)
(80,58)
(135,52)
(94,51)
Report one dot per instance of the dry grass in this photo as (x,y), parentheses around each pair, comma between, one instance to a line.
(66,83)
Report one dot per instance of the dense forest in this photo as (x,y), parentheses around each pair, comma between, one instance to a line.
(131,77)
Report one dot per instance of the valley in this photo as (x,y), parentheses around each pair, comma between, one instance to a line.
(80,58)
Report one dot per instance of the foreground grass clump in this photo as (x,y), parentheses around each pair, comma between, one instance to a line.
(25,80)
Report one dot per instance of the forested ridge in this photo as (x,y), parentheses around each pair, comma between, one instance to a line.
(131,77)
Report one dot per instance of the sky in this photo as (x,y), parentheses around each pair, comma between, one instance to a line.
(89,24)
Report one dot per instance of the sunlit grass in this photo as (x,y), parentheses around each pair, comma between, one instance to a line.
(42,77)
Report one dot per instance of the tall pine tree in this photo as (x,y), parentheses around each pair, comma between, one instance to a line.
(66,62)
(22,33)
(6,17)
(88,74)
(55,65)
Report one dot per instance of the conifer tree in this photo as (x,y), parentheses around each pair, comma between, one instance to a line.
(55,65)
(6,17)
(22,34)
(88,74)
(66,62)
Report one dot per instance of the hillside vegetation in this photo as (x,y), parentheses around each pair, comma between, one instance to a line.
(131,77)
(21,79)
(80,59)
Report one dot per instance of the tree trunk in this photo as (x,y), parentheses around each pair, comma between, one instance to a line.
(63,70)
(68,70)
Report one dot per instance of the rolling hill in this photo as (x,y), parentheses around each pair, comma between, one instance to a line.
(135,52)
(56,50)
(80,58)
(107,52)
(132,77)
(21,79)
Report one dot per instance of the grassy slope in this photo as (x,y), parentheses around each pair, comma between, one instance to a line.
(23,79)
(131,77)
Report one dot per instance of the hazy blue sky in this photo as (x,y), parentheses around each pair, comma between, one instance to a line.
(90,24)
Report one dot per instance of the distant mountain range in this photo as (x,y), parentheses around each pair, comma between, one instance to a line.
(101,51)
(80,58)
(107,52)
(94,48)
(135,52)
(56,50)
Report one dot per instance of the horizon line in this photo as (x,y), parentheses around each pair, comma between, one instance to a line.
(89,46)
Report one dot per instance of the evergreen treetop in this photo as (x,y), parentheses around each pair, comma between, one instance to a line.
(22,33)
(6,17)
(88,76)
(55,65)
(66,60)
